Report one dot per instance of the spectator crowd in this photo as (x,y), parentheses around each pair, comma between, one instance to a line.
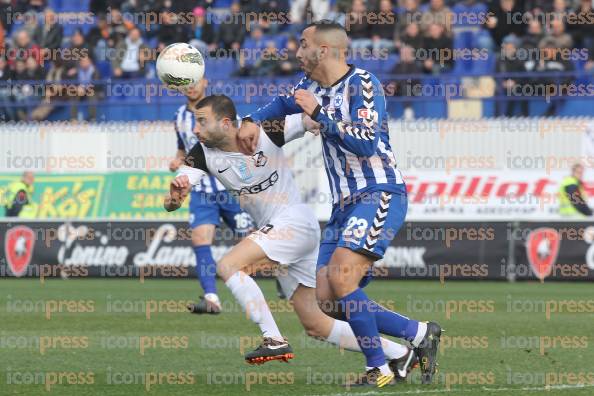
(46,60)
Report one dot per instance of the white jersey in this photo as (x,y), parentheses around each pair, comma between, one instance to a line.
(263,182)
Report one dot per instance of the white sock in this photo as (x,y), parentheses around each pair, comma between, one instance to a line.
(343,336)
(212,297)
(384,369)
(249,295)
(421,331)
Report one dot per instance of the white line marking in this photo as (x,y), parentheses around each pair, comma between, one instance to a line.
(484,388)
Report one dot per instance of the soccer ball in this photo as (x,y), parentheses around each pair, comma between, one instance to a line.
(180,66)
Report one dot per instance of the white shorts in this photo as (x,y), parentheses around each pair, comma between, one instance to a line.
(292,238)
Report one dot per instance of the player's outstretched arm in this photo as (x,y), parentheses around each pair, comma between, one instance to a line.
(178,191)
(279,107)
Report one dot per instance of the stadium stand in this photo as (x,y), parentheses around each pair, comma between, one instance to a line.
(458,52)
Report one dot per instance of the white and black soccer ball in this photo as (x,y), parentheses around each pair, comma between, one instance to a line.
(180,66)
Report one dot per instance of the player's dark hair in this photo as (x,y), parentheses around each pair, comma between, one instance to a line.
(326,25)
(222,106)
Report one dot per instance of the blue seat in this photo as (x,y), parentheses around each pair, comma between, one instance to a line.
(104,68)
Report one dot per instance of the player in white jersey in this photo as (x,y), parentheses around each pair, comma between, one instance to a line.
(209,202)
(288,234)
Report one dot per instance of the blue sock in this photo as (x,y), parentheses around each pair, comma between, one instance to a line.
(394,324)
(206,268)
(362,321)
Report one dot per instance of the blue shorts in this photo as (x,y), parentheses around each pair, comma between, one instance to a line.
(365,226)
(209,208)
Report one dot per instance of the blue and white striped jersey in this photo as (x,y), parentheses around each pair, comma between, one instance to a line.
(354,129)
(186,139)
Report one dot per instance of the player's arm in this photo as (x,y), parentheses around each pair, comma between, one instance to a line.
(367,109)
(180,154)
(178,191)
(294,126)
(278,108)
(189,174)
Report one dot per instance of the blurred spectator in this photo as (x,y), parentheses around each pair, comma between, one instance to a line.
(49,36)
(30,23)
(203,34)
(438,13)
(358,28)
(54,89)
(78,48)
(411,37)
(5,12)
(533,36)
(290,65)
(501,20)
(131,56)
(86,90)
(560,7)
(583,32)
(439,49)
(268,64)
(256,41)
(557,36)
(319,9)
(100,38)
(409,13)
(406,87)
(24,48)
(28,88)
(383,32)
(171,31)
(118,27)
(7,112)
(232,29)
(508,62)
(551,61)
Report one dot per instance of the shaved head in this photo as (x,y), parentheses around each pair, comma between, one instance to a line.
(323,50)
(329,33)
(332,34)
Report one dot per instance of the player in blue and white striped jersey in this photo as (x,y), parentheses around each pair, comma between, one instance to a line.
(209,201)
(369,194)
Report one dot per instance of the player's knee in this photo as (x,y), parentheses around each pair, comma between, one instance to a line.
(340,284)
(225,270)
(313,330)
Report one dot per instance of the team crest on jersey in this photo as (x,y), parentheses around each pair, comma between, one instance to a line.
(337,100)
(260,159)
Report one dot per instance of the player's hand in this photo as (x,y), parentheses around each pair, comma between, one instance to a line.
(175,164)
(247,137)
(180,183)
(310,125)
(306,100)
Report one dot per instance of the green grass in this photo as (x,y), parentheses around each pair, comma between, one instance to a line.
(478,360)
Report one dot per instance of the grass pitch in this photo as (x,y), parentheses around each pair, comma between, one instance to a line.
(123,337)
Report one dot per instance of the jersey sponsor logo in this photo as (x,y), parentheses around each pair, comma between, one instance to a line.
(258,188)
(260,159)
(244,171)
(221,171)
(367,114)
(18,248)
